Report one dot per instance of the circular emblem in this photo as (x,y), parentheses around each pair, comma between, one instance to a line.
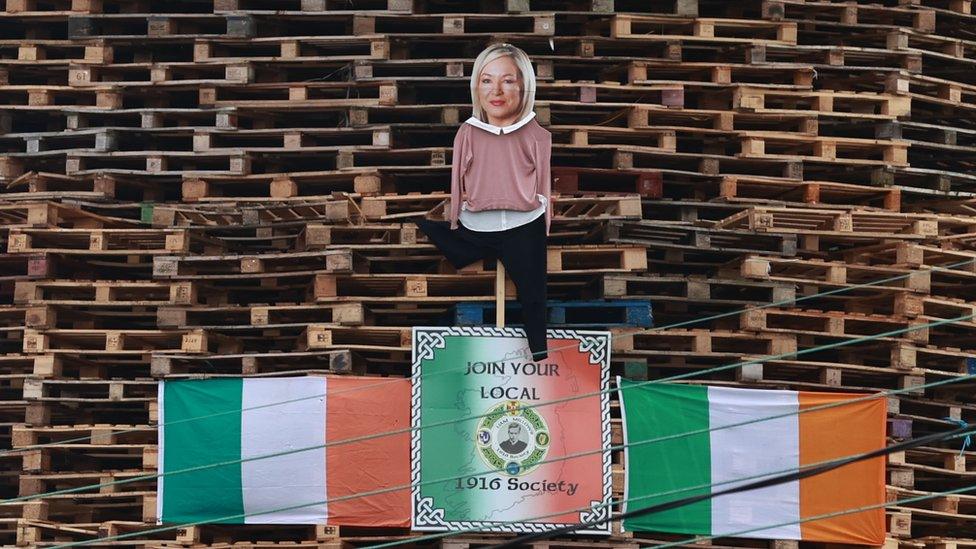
(512,438)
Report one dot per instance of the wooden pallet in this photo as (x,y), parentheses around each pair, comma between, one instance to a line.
(613,139)
(28,436)
(74,366)
(74,7)
(397,287)
(241,339)
(34,484)
(149,118)
(814,375)
(48,533)
(110,241)
(259,216)
(157,74)
(98,508)
(853,14)
(250,536)
(685,237)
(937,461)
(120,342)
(704,128)
(53,52)
(241,266)
(750,189)
(310,49)
(30,97)
(235,292)
(151,26)
(935,136)
(931,357)
(718,73)
(702,29)
(42,411)
(374,338)
(829,223)
(23,267)
(935,516)
(301,95)
(819,276)
(88,315)
(90,391)
(318,236)
(278,186)
(916,255)
(306,139)
(903,38)
(35,186)
(928,411)
(786,146)
(701,291)
(349,314)
(834,104)
(827,57)
(52,214)
(128,293)
(932,309)
(392,207)
(685,210)
(190,365)
(931,95)
(230,292)
(690,342)
(574,180)
(98,140)
(590,207)
(829,322)
(89,456)
(586,260)
(143,163)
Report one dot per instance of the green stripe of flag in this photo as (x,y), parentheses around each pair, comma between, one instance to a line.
(212,492)
(654,411)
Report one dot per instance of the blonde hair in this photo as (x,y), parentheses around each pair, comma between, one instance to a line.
(526,74)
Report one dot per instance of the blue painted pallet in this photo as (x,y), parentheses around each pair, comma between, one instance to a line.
(598,313)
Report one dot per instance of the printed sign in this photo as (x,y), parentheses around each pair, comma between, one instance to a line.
(502,443)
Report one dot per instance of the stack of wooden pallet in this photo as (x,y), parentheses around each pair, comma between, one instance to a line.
(227,187)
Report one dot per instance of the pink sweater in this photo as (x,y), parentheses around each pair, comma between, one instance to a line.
(501,171)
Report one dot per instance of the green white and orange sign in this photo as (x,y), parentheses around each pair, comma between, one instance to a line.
(502,443)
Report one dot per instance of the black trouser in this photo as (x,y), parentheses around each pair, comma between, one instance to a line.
(522,251)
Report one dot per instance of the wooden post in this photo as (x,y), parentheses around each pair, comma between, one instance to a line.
(499,294)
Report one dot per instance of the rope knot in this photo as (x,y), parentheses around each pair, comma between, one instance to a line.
(962,425)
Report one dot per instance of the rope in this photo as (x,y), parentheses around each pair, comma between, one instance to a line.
(672,326)
(801,473)
(915,442)
(537,405)
(784,475)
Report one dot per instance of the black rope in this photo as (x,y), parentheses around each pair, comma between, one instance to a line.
(764,483)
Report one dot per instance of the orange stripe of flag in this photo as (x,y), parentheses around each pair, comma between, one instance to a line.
(834,433)
(354,411)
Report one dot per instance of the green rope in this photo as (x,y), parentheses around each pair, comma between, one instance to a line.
(676,325)
(823,516)
(446,534)
(628,501)
(548,403)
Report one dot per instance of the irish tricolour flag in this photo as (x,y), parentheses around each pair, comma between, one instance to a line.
(228,432)
(717,459)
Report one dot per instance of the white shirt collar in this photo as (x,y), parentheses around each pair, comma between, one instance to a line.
(500,129)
